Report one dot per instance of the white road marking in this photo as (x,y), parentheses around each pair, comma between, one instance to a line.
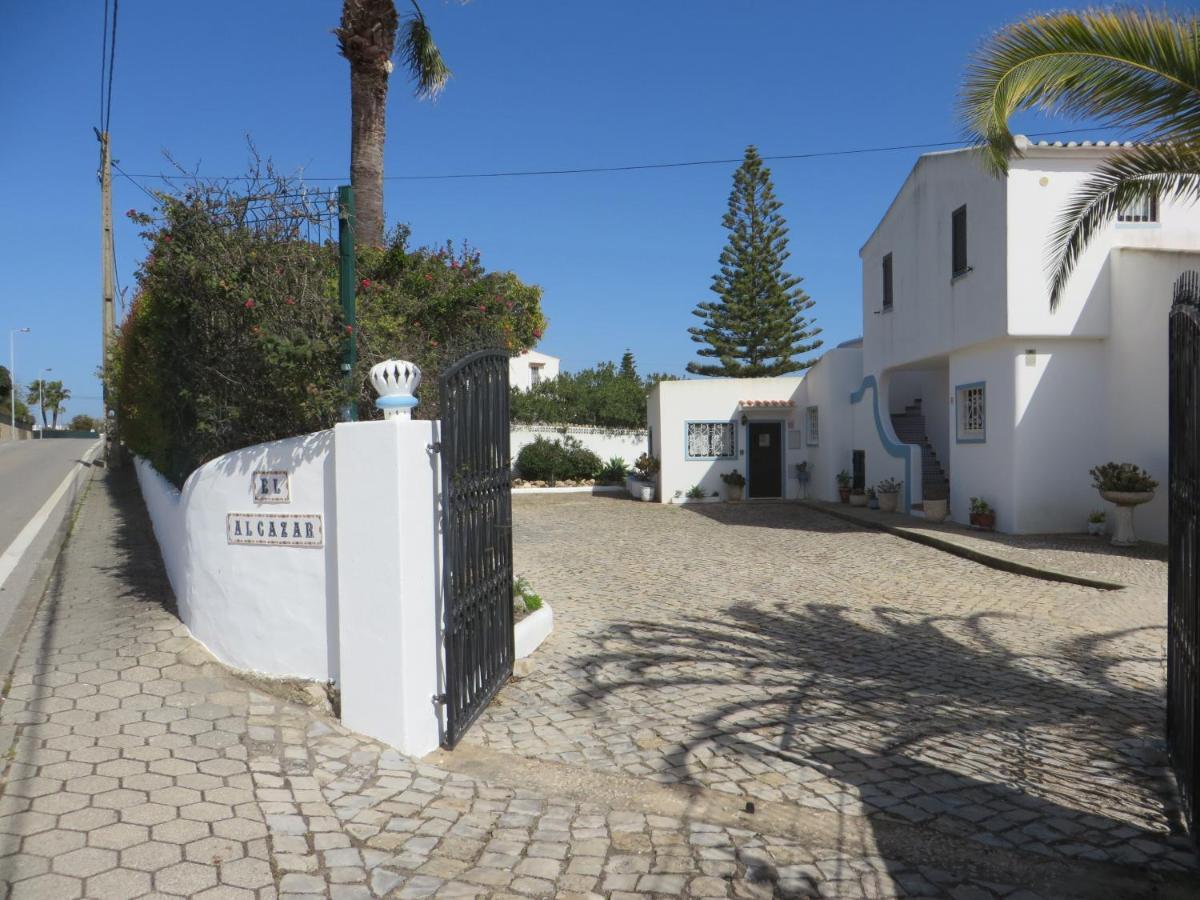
(12,555)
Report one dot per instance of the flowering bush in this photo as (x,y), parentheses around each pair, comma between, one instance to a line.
(236,334)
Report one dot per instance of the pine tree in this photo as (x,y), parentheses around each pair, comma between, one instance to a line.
(628,367)
(757,328)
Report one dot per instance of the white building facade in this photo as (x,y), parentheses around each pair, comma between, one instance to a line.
(966,382)
(530,368)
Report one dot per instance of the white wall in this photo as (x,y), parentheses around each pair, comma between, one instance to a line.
(519,374)
(828,386)
(932,387)
(1138,387)
(672,404)
(604,442)
(934,313)
(270,609)
(985,470)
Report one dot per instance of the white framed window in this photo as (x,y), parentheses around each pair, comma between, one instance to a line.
(710,440)
(1144,210)
(535,373)
(970,401)
(812,426)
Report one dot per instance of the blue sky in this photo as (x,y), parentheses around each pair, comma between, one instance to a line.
(623,258)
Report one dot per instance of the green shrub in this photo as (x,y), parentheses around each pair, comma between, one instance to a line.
(235,336)
(566,459)
(695,492)
(613,471)
(1122,477)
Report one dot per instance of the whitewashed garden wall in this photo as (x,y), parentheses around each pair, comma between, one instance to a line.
(604,442)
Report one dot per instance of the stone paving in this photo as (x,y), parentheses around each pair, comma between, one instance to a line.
(139,767)
(771,651)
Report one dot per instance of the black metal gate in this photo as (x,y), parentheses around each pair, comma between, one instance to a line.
(1183,598)
(477,574)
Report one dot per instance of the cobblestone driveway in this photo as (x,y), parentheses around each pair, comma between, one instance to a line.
(770,651)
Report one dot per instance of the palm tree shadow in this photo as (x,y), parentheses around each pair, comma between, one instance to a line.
(927,720)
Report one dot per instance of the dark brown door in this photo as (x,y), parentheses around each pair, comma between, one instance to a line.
(765,459)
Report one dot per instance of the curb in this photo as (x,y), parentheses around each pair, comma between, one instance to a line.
(991,560)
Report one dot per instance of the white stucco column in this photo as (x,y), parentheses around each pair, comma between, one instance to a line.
(388,576)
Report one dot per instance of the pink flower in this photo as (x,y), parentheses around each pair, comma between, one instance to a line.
(366,282)
(249,304)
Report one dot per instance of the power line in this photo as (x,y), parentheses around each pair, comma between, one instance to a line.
(136,183)
(103,60)
(640,167)
(112,59)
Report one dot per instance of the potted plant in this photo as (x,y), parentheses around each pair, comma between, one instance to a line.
(888,491)
(843,483)
(1126,486)
(936,508)
(872,500)
(858,497)
(1095,523)
(983,516)
(646,467)
(735,483)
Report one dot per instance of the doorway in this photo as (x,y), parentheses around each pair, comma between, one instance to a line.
(765,459)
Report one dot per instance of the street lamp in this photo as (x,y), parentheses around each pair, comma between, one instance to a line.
(42,402)
(12,377)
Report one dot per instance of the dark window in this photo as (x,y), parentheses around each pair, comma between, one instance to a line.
(887,282)
(958,244)
(1144,210)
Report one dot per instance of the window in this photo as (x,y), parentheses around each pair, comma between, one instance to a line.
(971,401)
(958,242)
(710,440)
(535,373)
(812,426)
(1144,210)
(887,282)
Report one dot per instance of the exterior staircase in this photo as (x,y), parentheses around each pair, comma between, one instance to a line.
(910,429)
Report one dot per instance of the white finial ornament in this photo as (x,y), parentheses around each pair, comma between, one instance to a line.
(396,382)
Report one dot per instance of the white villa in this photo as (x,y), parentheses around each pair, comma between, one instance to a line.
(964,380)
(530,368)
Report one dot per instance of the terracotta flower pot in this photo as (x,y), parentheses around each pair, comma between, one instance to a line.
(844,494)
(984,521)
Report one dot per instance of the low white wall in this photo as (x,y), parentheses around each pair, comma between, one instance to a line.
(266,608)
(604,442)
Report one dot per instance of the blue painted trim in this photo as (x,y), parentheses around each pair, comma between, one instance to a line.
(893,448)
(958,439)
(396,402)
(807,441)
(691,458)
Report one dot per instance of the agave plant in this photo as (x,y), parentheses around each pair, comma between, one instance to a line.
(1136,71)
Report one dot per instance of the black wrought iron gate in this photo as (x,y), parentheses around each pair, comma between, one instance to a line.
(477,574)
(1183,598)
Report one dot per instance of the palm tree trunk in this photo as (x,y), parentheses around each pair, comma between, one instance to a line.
(368,128)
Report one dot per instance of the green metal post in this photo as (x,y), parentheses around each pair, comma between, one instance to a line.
(346,291)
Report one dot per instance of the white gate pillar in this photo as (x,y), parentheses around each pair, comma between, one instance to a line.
(389,580)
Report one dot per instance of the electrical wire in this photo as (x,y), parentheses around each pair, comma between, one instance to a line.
(112,60)
(134,181)
(521,173)
(103,61)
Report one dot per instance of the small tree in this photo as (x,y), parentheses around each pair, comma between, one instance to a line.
(628,366)
(757,328)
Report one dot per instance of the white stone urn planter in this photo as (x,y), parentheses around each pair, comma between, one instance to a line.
(1125,501)
(888,500)
(937,510)
(529,633)
(645,491)
(858,499)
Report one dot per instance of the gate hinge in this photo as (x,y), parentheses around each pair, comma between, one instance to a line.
(435,447)
(440,699)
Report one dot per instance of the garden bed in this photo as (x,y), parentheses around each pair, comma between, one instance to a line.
(531,629)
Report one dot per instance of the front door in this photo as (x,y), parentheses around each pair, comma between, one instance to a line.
(765,459)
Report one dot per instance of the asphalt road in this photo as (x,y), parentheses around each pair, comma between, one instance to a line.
(29,473)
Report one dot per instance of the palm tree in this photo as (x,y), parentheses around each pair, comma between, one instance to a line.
(1138,71)
(56,397)
(367,38)
(38,393)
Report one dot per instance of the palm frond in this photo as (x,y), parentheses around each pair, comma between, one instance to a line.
(1138,71)
(1165,171)
(421,56)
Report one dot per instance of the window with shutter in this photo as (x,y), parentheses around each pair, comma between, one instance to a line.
(887,282)
(958,249)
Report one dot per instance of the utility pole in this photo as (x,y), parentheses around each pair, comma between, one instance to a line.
(108,318)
